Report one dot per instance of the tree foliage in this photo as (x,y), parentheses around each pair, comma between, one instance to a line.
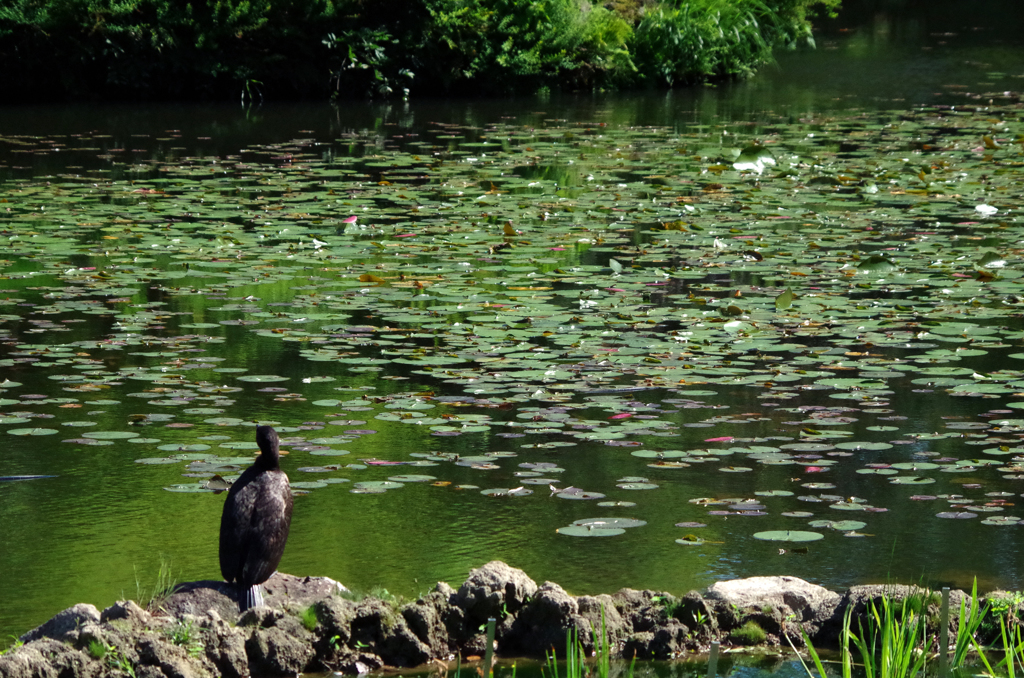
(215,49)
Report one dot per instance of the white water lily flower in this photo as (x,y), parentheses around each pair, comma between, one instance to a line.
(985,210)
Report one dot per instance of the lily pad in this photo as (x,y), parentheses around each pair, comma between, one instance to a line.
(378,485)
(32,431)
(788,535)
(590,531)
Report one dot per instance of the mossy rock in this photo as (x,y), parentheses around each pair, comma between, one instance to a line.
(748,634)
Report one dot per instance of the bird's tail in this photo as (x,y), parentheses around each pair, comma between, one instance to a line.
(251,597)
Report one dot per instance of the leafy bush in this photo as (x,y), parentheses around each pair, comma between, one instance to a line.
(523,44)
(162,48)
(220,49)
(688,42)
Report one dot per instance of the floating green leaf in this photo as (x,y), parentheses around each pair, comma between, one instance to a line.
(788,535)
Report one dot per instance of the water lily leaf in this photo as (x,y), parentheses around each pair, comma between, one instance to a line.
(957,515)
(865,446)
(784,300)
(590,531)
(789,536)
(841,525)
(691,540)
(848,506)
(507,492)
(877,263)
(915,466)
(188,488)
(610,522)
(195,447)
(912,480)
(308,485)
(378,485)
(32,431)
(1002,521)
(328,452)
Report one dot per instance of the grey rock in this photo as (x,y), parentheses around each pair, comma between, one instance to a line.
(224,645)
(335,617)
(494,590)
(117,643)
(544,624)
(262,617)
(197,632)
(47,658)
(126,609)
(698,616)
(172,661)
(283,591)
(771,602)
(198,597)
(64,625)
(427,618)
(381,625)
(637,646)
(669,640)
(642,611)
(358,664)
(401,647)
(275,652)
(600,611)
(475,645)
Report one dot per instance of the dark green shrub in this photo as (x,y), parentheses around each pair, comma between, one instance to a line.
(680,42)
(520,45)
(225,49)
(164,48)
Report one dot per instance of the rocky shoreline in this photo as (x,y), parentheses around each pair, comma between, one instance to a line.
(313,624)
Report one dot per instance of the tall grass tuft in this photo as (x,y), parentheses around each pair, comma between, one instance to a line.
(152,598)
(970,620)
(893,641)
(575,657)
(892,644)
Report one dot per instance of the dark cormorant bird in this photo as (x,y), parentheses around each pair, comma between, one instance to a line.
(254,524)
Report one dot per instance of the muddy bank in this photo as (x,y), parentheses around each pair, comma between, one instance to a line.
(313,625)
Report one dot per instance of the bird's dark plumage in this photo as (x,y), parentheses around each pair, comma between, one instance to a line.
(255,522)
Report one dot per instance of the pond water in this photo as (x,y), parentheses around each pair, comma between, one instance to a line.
(788,305)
